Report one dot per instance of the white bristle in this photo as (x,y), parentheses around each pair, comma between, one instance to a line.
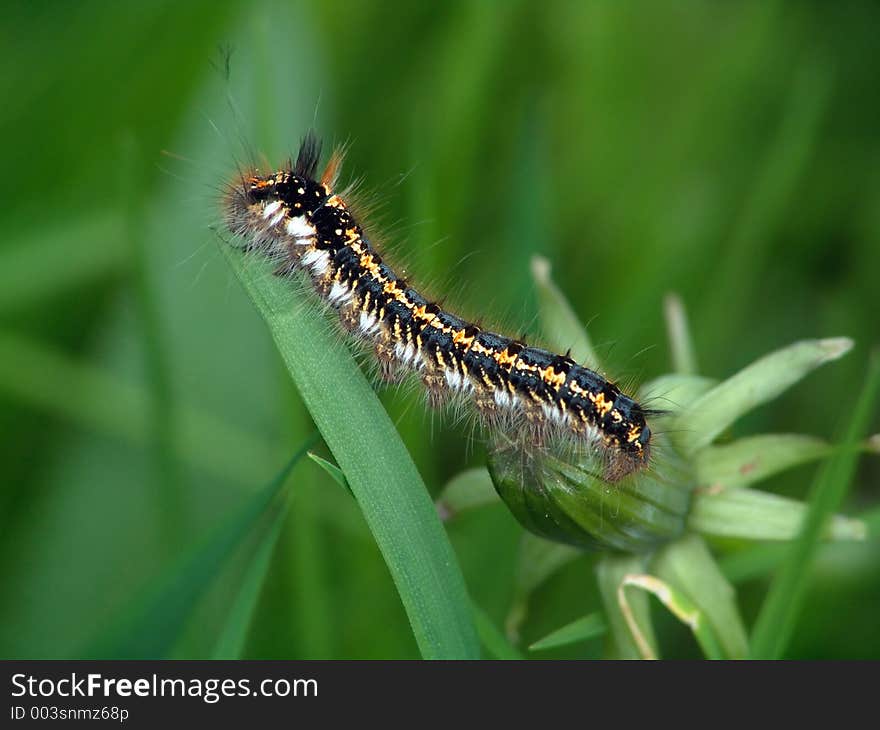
(339,293)
(271,209)
(299,227)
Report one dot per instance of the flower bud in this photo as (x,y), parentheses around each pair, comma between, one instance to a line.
(564,497)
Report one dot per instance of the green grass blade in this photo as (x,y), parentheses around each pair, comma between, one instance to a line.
(375,462)
(684,361)
(758,560)
(234,633)
(495,643)
(169,493)
(582,629)
(755,384)
(45,378)
(91,248)
(771,198)
(468,490)
(334,471)
(754,561)
(559,323)
(778,617)
(871,518)
(151,630)
(675,392)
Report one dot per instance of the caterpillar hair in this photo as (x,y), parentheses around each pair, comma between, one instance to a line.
(302,223)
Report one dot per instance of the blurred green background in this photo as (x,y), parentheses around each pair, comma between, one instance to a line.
(729,152)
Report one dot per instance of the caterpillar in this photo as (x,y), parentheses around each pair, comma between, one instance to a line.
(301,222)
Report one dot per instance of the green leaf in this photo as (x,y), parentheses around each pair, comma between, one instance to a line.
(754,458)
(375,462)
(150,631)
(871,518)
(538,559)
(674,392)
(238,622)
(771,199)
(559,323)
(45,378)
(756,561)
(133,173)
(334,471)
(762,381)
(751,459)
(91,248)
(778,617)
(752,562)
(684,361)
(466,491)
(679,605)
(611,571)
(582,629)
(750,514)
(495,643)
(687,566)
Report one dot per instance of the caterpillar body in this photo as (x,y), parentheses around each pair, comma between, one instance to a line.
(302,223)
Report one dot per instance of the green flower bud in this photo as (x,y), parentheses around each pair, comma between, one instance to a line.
(565,498)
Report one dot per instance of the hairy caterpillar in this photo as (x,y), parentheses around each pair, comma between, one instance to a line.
(302,223)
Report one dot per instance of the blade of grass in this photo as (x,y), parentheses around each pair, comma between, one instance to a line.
(559,323)
(375,462)
(308,561)
(161,422)
(674,392)
(582,629)
(778,616)
(45,378)
(468,490)
(752,562)
(234,633)
(758,560)
(495,643)
(684,361)
(304,562)
(90,247)
(770,197)
(151,628)
(334,471)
